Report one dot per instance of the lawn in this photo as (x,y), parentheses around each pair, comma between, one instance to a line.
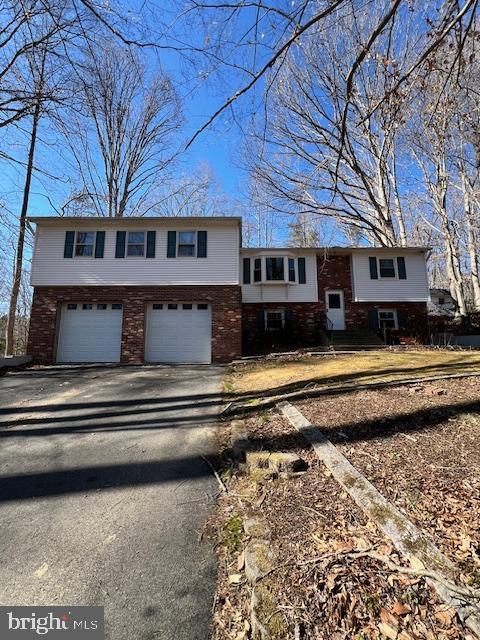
(361,368)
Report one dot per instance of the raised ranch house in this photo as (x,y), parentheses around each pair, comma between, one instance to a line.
(184,290)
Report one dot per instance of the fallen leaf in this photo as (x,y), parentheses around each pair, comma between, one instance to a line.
(388,631)
(401,609)
(445,614)
(388,618)
(235,578)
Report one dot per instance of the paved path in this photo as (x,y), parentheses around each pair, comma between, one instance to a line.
(104,494)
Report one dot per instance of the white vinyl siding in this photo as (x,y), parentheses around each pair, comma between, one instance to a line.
(280,292)
(413,289)
(89,332)
(221,266)
(179,333)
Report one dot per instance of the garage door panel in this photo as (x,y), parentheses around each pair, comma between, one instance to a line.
(89,335)
(180,335)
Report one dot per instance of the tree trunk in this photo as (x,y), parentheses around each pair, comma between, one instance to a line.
(472,243)
(12,309)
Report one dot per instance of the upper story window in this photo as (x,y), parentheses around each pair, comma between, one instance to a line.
(257,270)
(274,268)
(85,243)
(387,268)
(187,242)
(136,244)
(291,270)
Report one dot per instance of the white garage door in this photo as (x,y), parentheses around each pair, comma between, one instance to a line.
(179,332)
(90,332)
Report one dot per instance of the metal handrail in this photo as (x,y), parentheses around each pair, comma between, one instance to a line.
(328,328)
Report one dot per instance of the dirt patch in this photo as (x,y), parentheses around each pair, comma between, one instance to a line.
(361,368)
(319,594)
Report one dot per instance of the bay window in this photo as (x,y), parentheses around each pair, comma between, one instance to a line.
(274,268)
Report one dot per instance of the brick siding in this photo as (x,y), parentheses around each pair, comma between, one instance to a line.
(333,272)
(226,316)
(306,327)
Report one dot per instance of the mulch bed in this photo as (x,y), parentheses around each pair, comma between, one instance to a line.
(427,462)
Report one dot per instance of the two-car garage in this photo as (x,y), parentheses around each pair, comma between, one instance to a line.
(175,332)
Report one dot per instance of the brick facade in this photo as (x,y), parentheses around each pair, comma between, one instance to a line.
(334,272)
(235,327)
(305,330)
(308,318)
(226,316)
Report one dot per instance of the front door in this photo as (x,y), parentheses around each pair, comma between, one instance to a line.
(334,302)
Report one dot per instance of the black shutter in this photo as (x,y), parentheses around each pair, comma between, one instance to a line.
(99,244)
(288,318)
(402,272)
(120,245)
(151,239)
(302,274)
(373,268)
(246,271)
(373,320)
(201,244)
(171,244)
(261,319)
(69,242)
(401,319)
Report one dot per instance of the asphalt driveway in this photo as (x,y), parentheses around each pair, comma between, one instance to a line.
(104,494)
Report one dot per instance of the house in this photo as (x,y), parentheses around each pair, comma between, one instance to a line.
(171,289)
(441,303)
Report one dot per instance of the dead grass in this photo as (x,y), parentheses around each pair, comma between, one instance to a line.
(362,368)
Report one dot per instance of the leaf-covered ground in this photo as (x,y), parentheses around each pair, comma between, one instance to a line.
(420,448)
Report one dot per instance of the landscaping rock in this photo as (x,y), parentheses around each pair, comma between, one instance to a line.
(277,462)
(287,462)
(260,475)
(258,560)
(256,527)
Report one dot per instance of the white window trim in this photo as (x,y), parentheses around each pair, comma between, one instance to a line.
(195,246)
(395,319)
(263,270)
(83,244)
(265,318)
(395,268)
(144,246)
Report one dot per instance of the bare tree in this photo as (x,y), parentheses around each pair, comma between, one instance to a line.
(316,161)
(124,144)
(38,67)
(255,39)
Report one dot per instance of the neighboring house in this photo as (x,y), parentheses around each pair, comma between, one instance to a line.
(173,289)
(441,303)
